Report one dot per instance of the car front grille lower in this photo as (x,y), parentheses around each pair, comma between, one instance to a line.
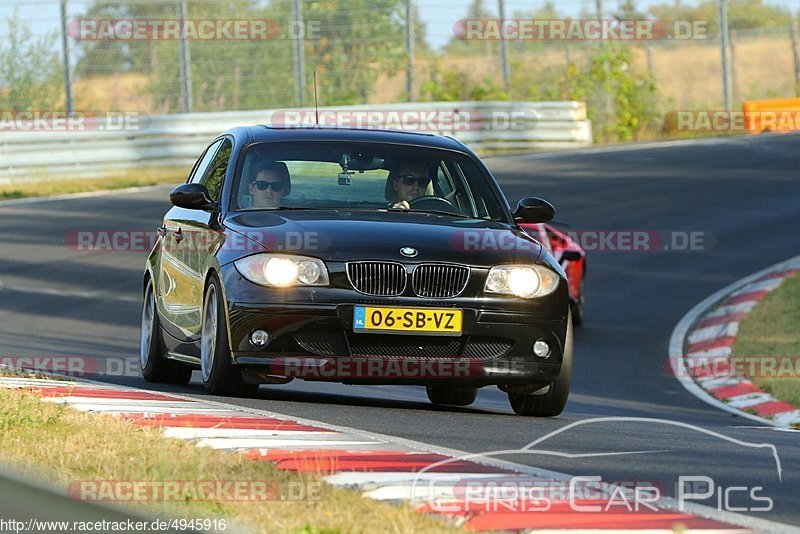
(428,280)
(388,346)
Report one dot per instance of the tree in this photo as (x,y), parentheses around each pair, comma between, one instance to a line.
(458,46)
(348,43)
(358,40)
(742,15)
(102,57)
(30,72)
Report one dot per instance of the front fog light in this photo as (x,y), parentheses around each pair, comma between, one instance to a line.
(259,338)
(541,349)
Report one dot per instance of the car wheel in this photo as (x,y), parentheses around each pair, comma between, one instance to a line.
(452,395)
(553,402)
(156,368)
(578,309)
(219,375)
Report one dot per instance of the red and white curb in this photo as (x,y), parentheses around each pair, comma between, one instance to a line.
(702,344)
(380,467)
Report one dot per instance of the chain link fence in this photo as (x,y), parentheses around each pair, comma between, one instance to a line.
(175,56)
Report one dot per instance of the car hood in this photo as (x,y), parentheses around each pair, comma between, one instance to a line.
(372,235)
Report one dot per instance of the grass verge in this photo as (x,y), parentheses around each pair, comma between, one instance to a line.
(72,446)
(767,348)
(42,186)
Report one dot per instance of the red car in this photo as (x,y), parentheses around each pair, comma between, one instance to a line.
(571,257)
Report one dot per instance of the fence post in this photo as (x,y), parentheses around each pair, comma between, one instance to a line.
(723,32)
(299,52)
(734,70)
(186,60)
(410,50)
(65,52)
(607,104)
(501,7)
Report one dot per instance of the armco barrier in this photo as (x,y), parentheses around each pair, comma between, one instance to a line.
(177,140)
(774,115)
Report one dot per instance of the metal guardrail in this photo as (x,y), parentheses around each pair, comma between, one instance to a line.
(100,146)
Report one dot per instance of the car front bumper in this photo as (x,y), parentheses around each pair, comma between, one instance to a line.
(312,337)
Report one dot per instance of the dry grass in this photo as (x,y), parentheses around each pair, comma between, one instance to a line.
(688,74)
(769,334)
(123,92)
(73,446)
(47,186)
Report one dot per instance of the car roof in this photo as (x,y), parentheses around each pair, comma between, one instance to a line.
(264,133)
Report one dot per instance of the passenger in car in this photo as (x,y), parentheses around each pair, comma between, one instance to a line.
(270,185)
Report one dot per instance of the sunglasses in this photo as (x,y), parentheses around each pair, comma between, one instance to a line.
(263,185)
(410,179)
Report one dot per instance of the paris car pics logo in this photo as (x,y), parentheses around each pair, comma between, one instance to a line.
(437,488)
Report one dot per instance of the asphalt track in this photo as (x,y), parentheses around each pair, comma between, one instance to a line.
(743,194)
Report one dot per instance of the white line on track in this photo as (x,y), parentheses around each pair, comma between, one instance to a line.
(78,196)
(69,294)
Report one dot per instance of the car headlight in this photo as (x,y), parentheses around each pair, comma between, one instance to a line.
(283,270)
(526,281)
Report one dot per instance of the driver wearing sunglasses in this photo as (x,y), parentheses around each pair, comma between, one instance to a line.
(270,186)
(412,181)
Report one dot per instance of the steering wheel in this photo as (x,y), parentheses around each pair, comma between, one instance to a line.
(428,198)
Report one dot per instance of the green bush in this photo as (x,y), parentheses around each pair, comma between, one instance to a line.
(453,85)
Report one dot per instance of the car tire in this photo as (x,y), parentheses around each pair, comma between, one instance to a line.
(553,402)
(219,375)
(155,367)
(452,395)
(579,308)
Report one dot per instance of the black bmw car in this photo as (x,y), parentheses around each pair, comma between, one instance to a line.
(355,256)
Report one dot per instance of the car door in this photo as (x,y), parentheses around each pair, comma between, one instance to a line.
(202,235)
(177,302)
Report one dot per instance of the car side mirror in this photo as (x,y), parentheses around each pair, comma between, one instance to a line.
(534,210)
(192,197)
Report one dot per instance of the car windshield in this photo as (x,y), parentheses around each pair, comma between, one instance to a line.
(368,176)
